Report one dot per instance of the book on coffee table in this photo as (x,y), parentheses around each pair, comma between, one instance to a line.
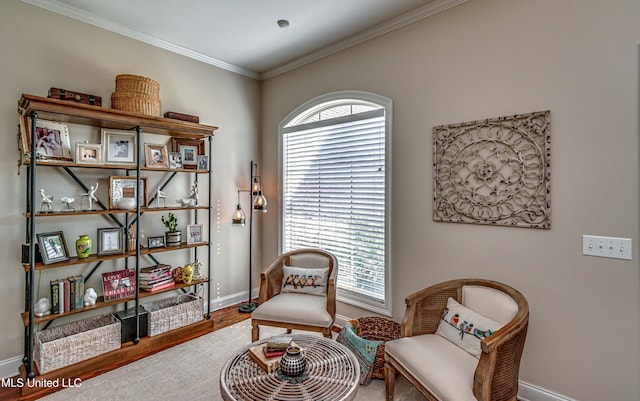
(258,354)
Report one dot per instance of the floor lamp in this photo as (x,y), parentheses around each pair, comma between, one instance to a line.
(258,203)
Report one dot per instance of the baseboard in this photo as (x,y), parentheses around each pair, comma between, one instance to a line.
(529,392)
(232,299)
(9,367)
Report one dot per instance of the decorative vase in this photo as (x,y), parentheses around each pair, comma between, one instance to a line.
(293,362)
(187,274)
(173,238)
(83,246)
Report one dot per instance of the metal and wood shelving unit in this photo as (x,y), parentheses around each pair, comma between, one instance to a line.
(34,108)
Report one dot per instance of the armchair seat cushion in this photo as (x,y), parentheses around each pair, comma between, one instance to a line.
(440,366)
(294,308)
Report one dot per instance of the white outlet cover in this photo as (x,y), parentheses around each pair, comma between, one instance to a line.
(606,247)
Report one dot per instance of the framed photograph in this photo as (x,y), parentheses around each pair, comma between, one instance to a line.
(53,247)
(203,162)
(119,284)
(119,146)
(175,160)
(110,241)
(156,242)
(156,156)
(125,187)
(88,153)
(194,233)
(189,149)
(52,139)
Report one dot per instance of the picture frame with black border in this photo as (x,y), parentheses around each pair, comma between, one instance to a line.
(203,162)
(156,242)
(88,153)
(52,139)
(53,246)
(156,156)
(189,149)
(119,147)
(110,241)
(194,234)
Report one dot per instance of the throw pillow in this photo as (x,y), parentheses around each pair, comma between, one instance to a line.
(305,281)
(364,350)
(464,327)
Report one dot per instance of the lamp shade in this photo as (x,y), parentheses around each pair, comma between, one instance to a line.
(238,216)
(260,203)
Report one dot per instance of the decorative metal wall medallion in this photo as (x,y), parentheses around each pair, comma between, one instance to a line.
(494,171)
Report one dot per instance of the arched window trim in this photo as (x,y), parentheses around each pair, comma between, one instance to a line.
(330,100)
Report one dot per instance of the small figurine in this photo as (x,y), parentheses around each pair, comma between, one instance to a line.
(90,297)
(192,200)
(42,307)
(196,270)
(132,238)
(68,200)
(47,200)
(160,194)
(92,195)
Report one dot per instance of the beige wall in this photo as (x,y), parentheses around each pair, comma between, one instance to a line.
(490,58)
(40,50)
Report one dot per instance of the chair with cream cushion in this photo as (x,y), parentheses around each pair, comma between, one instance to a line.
(431,353)
(292,304)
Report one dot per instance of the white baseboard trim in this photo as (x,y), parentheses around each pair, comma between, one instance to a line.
(529,392)
(9,367)
(231,299)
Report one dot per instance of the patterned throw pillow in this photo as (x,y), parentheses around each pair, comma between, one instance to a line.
(305,281)
(465,328)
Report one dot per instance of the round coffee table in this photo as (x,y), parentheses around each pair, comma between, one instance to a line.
(333,372)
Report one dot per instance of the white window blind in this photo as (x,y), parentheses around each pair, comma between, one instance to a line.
(334,196)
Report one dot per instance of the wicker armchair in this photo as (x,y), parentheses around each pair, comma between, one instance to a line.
(494,377)
(292,310)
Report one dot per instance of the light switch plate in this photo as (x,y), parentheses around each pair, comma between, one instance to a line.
(606,247)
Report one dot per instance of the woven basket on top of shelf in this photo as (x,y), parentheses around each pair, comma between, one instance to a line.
(77,341)
(137,94)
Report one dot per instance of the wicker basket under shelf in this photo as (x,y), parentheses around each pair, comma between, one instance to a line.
(172,313)
(378,329)
(75,342)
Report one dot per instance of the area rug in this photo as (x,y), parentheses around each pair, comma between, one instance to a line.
(191,371)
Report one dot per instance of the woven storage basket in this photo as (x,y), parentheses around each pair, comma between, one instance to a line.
(76,341)
(136,103)
(137,84)
(378,329)
(172,313)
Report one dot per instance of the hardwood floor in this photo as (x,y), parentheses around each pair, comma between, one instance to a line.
(221,318)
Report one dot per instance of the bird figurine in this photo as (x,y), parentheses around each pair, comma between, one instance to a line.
(68,200)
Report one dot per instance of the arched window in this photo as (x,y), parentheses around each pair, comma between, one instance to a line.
(336,185)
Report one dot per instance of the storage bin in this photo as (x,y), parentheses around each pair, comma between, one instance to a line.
(172,313)
(74,342)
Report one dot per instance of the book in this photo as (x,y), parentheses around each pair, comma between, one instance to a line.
(119,284)
(78,299)
(160,267)
(278,343)
(147,279)
(60,296)
(70,281)
(273,354)
(55,302)
(160,287)
(269,365)
(67,295)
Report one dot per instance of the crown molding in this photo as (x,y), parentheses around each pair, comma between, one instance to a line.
(379,30)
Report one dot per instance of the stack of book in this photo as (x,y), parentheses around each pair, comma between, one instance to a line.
(155,278)
(267,355)
(67,294)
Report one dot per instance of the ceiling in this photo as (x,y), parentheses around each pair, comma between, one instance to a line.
(244,36)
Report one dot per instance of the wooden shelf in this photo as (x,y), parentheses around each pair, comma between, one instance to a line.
(128,353)
(95,258)
(101,303)
(62,163)
(103,117)
(114,211)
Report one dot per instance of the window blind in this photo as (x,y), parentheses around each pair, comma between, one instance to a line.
(334,196)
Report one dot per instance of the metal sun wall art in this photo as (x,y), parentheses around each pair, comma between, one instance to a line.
(494,171)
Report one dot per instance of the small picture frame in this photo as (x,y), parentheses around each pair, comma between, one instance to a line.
(110,241)
(52,139)
(88,153)
(119,147)
(175,160)
(156,242)
(194,234)
(203,162)
(189,149)
(125,187)
(53,247)
(156,156)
